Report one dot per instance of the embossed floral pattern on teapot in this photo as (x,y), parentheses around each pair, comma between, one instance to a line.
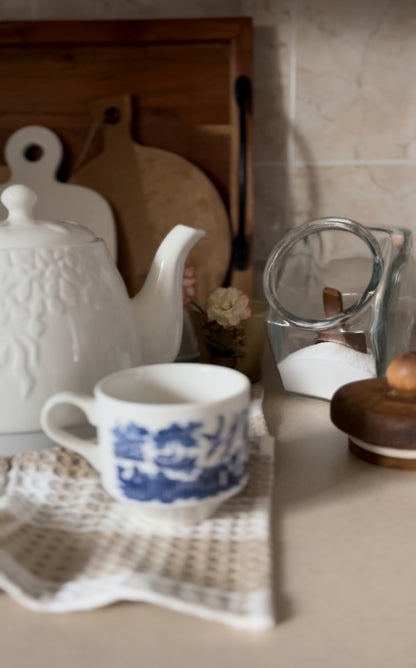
(26,304)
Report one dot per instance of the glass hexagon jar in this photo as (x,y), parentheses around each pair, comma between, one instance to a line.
(342,301)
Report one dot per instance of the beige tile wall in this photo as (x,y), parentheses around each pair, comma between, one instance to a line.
(334,102)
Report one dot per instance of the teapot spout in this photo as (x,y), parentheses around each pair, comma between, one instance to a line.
(158,306)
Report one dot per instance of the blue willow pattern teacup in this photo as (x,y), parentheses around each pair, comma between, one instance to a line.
(181,461)
(171,437)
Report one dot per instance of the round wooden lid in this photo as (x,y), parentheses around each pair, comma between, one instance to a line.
(381,411)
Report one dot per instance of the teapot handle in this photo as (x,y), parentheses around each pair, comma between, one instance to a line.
(85,447)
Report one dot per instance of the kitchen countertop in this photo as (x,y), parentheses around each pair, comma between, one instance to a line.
(345,573)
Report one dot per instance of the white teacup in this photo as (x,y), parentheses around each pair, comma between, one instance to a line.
(171,438)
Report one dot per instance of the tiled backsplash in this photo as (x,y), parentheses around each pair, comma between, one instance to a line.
(334,103)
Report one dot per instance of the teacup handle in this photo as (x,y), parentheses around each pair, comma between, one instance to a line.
(86,447)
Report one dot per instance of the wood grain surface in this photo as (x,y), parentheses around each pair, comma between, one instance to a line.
(180,75)
(150,191)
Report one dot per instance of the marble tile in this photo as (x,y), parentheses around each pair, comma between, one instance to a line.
(267,12)
(258,271)
(270,208)
(79,10)
(355,62)
(382,195)
(18,10)
(270,96)
(273,24)
(136,9)
(206,8)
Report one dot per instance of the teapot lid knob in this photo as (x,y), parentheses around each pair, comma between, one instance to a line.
(22,230)
(20,202)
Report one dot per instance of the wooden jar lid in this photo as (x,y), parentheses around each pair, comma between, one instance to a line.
(381,412)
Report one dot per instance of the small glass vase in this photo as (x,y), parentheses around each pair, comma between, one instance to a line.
(249,342)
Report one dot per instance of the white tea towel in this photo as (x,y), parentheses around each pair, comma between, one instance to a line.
(66,545)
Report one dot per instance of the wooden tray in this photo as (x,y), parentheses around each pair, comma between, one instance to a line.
(181,75)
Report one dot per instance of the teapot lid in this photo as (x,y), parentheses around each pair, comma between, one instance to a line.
(21,230)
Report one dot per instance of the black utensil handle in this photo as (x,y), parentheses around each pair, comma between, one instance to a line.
(242,92)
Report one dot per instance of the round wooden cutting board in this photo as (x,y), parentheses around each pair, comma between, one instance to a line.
(152,190)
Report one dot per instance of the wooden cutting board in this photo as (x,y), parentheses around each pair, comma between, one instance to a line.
(56,200)
(152,190)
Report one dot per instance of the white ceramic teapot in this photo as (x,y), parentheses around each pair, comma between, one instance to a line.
(65,316)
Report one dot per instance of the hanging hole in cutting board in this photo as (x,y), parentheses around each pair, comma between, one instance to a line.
(33,152)
(112,115)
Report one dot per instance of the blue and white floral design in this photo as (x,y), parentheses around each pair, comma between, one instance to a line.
(182,461)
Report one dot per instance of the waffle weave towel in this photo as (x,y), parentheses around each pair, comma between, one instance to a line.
(66,545)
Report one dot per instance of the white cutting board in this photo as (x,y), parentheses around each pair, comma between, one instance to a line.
(56,200)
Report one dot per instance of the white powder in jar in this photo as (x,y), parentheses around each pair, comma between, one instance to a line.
(320,369)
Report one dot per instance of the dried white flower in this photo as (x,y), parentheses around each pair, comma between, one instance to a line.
(228,307)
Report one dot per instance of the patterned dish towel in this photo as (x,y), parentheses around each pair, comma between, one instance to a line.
(66,545)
